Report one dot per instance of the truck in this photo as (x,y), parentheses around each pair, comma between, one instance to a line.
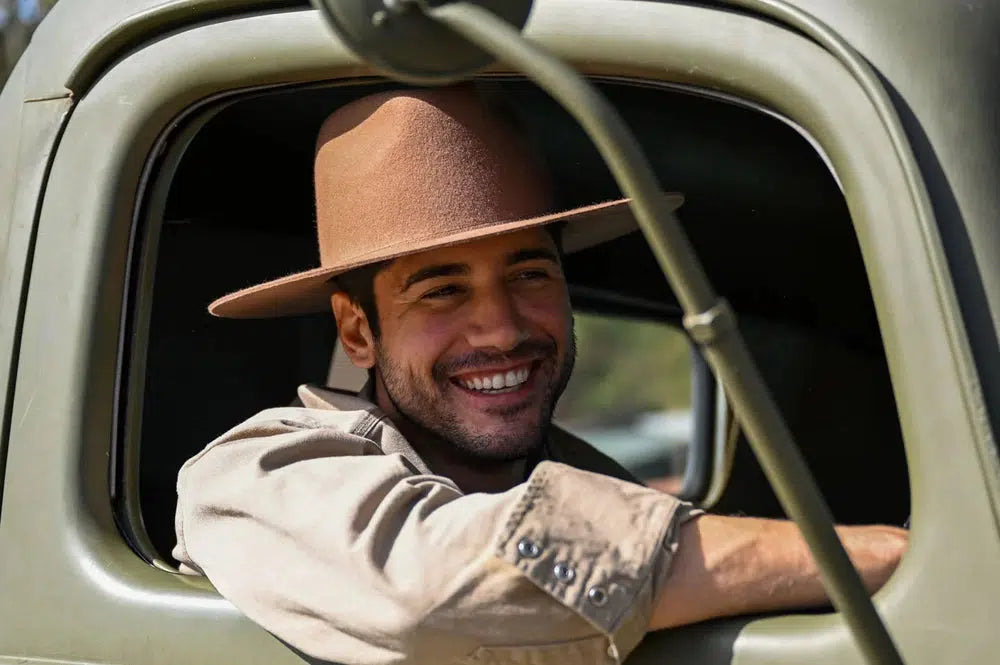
(839,161)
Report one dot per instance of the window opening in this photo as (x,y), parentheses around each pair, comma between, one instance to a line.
(630,396)
(762,210)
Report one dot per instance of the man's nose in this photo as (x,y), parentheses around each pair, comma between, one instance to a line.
(496,322)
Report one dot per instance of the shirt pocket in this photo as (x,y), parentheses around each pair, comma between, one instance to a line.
(587,651)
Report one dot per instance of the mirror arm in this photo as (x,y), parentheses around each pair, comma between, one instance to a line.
(710,320)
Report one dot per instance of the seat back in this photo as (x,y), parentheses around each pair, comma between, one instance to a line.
(205,375)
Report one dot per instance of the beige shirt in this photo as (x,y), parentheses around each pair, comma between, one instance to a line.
(323,526)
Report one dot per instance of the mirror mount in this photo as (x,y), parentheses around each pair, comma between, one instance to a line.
(399,38)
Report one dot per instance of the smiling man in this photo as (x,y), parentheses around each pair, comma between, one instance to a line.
(439,516)
(475,347)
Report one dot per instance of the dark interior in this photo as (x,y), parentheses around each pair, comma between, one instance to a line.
(763,212)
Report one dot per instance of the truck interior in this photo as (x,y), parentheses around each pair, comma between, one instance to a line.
(764,213)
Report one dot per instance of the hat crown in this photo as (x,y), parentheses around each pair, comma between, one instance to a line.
(399,168)
(405,172)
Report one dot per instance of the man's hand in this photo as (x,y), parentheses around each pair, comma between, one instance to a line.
(727,566)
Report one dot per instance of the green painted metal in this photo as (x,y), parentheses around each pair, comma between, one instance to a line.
(29,132)
(153,22)
(972,29)
(74,590)
(946,96)
(80,40)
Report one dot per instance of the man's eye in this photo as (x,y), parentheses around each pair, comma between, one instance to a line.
(440,292)
(531,274)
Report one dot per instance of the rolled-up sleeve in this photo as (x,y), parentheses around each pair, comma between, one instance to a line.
(355,556)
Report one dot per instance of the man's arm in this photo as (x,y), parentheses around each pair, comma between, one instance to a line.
(351,555)
(727,566)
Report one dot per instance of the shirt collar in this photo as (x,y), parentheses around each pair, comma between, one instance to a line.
(328,398)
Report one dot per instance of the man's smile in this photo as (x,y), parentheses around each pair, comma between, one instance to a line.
(475,346)
(497,380)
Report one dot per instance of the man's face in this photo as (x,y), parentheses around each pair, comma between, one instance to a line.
(476,341)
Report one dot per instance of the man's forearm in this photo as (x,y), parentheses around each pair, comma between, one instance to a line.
(727,566)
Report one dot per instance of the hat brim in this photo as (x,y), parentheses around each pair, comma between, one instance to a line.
(309,292)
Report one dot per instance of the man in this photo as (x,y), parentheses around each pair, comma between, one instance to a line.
(438,517)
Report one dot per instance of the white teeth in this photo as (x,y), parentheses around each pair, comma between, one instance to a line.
(498,381)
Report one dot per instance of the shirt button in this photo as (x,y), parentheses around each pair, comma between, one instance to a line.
(529,548)
(597,596)
(564,573)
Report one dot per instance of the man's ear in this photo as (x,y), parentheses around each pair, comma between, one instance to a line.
(354,331)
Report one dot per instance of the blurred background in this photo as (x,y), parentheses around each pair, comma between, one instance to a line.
(18,19)
(630,395)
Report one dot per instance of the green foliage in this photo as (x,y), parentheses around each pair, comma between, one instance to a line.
(625,367)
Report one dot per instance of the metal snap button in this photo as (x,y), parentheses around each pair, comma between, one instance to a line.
(597,596)
(564,573)
(529,548)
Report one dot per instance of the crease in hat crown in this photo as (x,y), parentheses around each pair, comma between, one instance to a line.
(406,171)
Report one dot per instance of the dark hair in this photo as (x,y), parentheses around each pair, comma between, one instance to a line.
(359,284)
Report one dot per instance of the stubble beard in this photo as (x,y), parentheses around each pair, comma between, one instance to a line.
(429,418)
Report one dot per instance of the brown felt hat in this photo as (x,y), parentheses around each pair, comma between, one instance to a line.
(407,171)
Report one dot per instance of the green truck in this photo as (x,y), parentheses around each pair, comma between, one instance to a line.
(840,162)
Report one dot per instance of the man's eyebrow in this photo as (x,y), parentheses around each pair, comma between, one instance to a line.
(430,272)
(533,254)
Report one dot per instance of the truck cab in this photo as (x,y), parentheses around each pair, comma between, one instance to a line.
(838,161)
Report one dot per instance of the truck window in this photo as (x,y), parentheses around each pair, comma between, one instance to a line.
(762,210)
(630,395)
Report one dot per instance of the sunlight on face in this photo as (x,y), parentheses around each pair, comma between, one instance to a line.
(476,341)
